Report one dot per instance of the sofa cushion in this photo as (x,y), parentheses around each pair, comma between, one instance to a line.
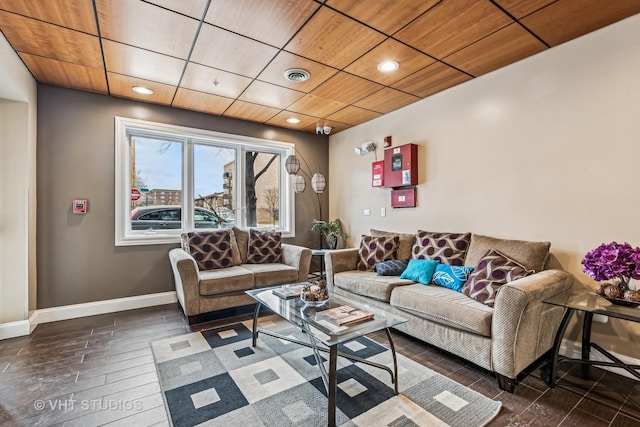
(211,249)
(368,284)
(420,270)
(235,249)
(393,267)
(444,306)
(447,248)
(264,247)
(242,237)
(272,274)
(451,276)
(494,270)
(235,278)
(405,241)
(376,249)
(532,255)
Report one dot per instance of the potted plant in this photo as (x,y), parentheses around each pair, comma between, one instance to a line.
(331,230)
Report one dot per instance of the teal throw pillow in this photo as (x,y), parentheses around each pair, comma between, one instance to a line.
(451,276)
(420,270)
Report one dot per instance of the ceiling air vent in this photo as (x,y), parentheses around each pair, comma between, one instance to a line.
(296,75)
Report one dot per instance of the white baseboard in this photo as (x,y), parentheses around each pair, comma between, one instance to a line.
(14,329)
(46,315)
(573,349)
(74,311)
(65,312)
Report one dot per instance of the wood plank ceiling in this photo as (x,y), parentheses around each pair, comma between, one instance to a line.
(228,57)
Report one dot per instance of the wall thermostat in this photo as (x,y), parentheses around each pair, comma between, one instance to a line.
(79,207)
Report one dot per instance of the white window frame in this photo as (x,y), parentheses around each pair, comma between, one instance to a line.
(188,137)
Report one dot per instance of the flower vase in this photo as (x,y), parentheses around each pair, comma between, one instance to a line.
(623,283)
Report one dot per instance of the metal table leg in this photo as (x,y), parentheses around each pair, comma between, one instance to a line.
(333,384)
(553,372)
(254,330)
(395,361)
(586,342)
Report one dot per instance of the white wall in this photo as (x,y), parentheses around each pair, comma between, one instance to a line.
(18,196)
(544,149)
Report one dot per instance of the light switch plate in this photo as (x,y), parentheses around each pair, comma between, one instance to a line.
(367,212)
(383,211)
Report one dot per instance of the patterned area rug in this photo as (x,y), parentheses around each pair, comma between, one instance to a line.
(215,378)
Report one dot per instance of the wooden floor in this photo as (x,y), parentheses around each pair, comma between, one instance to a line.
(99,371)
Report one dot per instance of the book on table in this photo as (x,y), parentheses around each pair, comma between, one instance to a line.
(344,315)
(288,292)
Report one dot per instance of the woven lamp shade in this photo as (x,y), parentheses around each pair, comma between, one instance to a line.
(318,182)
(299,184)
(292,165)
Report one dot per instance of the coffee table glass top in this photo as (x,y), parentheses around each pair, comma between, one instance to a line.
(295,311)
(585,301)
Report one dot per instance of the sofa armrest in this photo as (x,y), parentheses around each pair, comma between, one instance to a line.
(523,326)
(186,277)
(298,257)
(338,261)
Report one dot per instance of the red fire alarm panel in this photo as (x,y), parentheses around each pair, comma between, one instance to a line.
(401,166)
(377,174)
(403,198)
(79,207)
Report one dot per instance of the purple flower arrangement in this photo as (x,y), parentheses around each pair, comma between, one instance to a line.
(614,260)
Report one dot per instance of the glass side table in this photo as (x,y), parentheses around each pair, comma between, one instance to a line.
(588,304)
(319,253)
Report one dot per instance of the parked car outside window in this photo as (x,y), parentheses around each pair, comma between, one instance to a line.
(170,217)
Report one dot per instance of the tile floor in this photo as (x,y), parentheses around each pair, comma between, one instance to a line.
(99,370)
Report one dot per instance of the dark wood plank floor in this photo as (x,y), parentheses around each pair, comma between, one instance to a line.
(99,370)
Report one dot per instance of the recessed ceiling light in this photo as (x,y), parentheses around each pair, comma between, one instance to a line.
(142,90)
(293,120)
(296,75)
(388,66)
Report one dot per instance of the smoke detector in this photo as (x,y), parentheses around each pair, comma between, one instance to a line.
(296,75)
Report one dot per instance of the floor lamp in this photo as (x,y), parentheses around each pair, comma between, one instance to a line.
(318,180)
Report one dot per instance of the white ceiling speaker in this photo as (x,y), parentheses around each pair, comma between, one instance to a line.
(296,75)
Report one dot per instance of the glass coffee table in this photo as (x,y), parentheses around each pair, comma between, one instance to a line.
(324,336)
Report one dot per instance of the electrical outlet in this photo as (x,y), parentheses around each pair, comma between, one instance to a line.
(367,212)
(383,211)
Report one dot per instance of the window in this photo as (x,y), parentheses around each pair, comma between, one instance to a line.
(171,179)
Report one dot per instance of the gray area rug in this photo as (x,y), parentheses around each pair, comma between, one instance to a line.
(215,378)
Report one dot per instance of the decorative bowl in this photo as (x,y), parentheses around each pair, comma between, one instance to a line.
(314,295)
(618,301)
(314,303)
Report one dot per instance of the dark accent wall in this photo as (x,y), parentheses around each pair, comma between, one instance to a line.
(76,256)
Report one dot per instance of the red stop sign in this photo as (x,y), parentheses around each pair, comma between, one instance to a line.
(135,194)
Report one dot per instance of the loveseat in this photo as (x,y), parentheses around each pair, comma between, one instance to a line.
(505,337)
(212,270)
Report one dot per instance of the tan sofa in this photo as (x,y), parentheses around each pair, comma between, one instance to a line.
(201,292)
(505,339)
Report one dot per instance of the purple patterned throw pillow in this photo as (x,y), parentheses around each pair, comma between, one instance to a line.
(447,248)
(264,247)
(376,249)
(494,270)
(211,249)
